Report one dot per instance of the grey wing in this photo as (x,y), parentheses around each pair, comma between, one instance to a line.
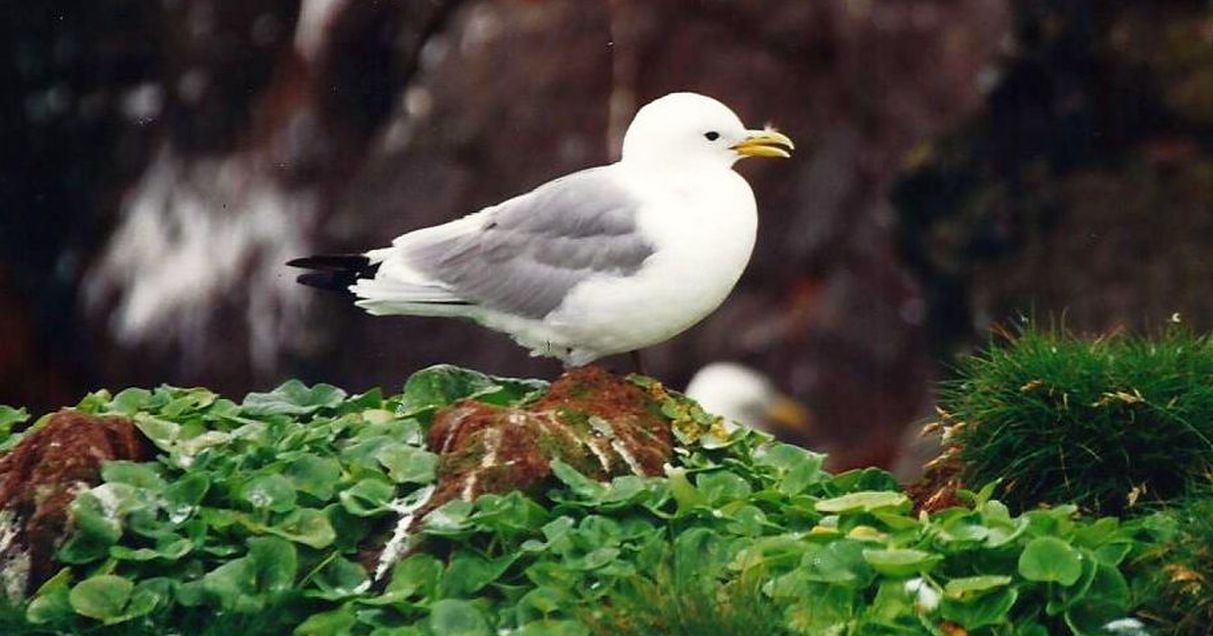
(530,251)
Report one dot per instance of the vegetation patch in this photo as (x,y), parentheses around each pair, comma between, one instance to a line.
(258,518)
(1108,424)
(1174,570)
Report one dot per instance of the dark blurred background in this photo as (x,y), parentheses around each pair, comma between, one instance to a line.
(960,163)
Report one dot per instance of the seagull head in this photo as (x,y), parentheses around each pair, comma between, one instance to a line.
(744,395)
(693,130)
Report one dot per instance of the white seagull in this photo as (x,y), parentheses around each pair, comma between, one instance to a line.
(747,396)
(605,260)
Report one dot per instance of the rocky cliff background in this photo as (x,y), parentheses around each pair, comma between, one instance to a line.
(961,163)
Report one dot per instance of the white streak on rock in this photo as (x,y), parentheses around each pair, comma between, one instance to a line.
(604,459)
(469,487)
(628,457)
(406,507)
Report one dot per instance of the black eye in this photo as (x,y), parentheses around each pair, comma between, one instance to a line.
(712,135)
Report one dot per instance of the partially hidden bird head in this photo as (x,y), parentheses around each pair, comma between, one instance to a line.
(691,130)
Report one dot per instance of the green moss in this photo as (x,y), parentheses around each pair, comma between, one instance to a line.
(465,459)
(496,478)
(563,442)
(577,421)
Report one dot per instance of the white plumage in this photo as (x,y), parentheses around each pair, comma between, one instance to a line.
(602,261)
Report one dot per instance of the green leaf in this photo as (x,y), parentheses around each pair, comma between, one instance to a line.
(350,529)
(825,610)
(1000,535)
(338,622)
(131,401)
(510,514)
(1113,553)
(973,586)
(864,501)
(50,603)
(470,572)
(451,518)
(371,400)
(274,564)
(163,433)
(191,444)
(861,479)
(453,617)
(722,486)
(1050,559)
(1106,599)
(797,468)
(540,603)
(272,492)
(700,554)
(585,488)
(554,628)
(139,475)
(233,585)
(185,492)
(442,385)
(408,464)
(901,562)
(627,489)
(171,550)
(367,497)
(148,595)
(96,516)
(94,402)
(293,398)
(249,583)
(685,494)
(183,401)
(417,576)
(10,416)
(340,578)
(103,597)
(592,560)
(840,562)
(314,475)
(308,526)
(989,609)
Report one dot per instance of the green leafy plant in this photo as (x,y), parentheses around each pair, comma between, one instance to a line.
(254,518)
(1106,424)
(1173,572)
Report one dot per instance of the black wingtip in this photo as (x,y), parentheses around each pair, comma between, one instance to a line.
(334,272)
(333,262)
(329,281)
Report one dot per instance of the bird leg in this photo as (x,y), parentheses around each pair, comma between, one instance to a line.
(637,362)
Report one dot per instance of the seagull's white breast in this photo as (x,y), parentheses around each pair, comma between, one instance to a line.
(702,224)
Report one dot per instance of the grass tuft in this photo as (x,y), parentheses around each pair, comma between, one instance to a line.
(1108,424)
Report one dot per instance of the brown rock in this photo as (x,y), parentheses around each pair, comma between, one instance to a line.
(41,477)
(597,422)
(601,424)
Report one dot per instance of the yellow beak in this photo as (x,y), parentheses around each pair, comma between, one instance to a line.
(789,417)
(764,143)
